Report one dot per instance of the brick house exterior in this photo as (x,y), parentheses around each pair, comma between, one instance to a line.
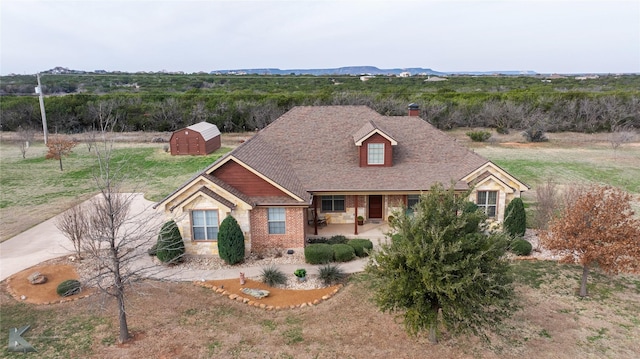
(339,162)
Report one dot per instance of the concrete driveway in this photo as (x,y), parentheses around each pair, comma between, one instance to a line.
(44,242)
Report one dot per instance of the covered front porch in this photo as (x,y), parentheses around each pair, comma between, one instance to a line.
(374,231)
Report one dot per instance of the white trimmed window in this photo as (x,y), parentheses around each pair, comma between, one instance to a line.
(276,220)
(488,202)
(333,203)
(205,225)
(375,153)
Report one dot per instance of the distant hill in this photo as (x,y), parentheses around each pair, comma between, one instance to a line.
(363,70)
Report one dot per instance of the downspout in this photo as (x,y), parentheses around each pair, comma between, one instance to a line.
(355,223)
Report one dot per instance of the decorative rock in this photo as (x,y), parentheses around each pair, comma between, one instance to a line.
(316,302)
(233,296)
(303,305)
(325,297)
(23,297)
(263,306)
(37,278)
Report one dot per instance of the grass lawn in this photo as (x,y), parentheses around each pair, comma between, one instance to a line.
(34,189)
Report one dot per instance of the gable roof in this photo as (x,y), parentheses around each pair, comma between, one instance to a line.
(313,149)
(206,129)
(368,130)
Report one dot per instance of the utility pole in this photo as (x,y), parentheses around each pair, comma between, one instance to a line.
(44,115)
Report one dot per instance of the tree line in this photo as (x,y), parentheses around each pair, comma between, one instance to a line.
(247,104)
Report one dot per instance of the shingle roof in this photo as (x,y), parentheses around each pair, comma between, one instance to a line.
(311,149)
(206,129)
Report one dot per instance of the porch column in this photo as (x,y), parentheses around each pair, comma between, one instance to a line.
(315,216)
(355,223)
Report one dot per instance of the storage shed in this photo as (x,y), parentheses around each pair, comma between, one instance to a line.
(200,139)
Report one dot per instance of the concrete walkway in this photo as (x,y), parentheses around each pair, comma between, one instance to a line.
(45,241)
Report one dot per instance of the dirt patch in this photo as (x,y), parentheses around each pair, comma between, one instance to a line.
(18,284)
(283,298)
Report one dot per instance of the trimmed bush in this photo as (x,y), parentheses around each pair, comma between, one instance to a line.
(68,287)
(343,252)
(521,247)
(331,274)
(315,240)
(515,220)
(338,239)
(231,241)
(362,247)
(479,136)
(170,246)
(273,276)
(318,253)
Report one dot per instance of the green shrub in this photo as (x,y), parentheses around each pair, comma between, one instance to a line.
(479,136)
(315,240)
(318,253)
(170,246)
(273,276)
(515,220)
(338,239)
(153,250)
(362,247)
(521,247)
(343,252)
(68,287)
(231,241)
(331,274)
(300,272)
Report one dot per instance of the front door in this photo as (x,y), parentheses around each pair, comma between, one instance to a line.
(375,207)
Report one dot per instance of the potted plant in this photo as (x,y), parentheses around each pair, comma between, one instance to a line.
(360,220)
(301,273)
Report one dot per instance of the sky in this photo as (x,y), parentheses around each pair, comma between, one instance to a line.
(545,36)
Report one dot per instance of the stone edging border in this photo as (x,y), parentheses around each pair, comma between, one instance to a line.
(63,300)
(255,303)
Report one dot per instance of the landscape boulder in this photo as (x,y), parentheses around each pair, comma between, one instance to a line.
(37,278)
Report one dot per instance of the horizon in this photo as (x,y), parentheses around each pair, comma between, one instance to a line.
(546,37)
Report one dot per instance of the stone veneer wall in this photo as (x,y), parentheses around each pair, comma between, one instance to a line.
(294,236)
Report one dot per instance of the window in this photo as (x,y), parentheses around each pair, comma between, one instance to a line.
(375,153)
(205,225)
(332,203)
(487,201)
(276,220)
(412,200)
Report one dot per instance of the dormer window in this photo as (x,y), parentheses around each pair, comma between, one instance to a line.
(375,153)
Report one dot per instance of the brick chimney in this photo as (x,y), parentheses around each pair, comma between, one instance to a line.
(414,109)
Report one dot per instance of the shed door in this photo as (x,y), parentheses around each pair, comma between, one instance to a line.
(375,206)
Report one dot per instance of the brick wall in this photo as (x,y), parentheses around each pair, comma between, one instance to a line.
(294,228)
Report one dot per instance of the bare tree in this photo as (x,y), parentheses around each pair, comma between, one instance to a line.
(619,136)
(73,224)
(547,203)
(25,138)
(118,237)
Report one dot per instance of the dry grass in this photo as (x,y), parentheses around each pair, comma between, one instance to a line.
(182,320)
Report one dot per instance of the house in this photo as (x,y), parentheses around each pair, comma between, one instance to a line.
(339,162)
(202,138)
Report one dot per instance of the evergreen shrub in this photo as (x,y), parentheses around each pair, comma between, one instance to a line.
(68,287)
(343,252)
(231,241)
(170,246)
(362,247)
(318,253)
